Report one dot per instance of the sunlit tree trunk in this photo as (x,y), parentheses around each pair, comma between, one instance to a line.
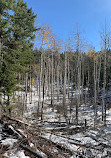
(64,89)
(104,87)
(61,81)
(49,78)
(99,71)
(95,91)
(58,77)
(105,40)
(78,74)
(78,86)
(82,75)
(43,92)
(46,80)
(40,82)
(52,79)
(68,77)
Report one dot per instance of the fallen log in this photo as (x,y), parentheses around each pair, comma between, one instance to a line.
(48,144)
(79,143)
(100,143)
(58,145)
(74,143)
(23,141)
(4,117)
(62,136)
(19,122)
(86,146)
(30,151)
(49,154)
(9,130)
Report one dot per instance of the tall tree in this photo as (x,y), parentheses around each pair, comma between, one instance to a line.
(16,42)
(5,7)
(105,39)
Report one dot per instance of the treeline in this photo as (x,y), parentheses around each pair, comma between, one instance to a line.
(57,73)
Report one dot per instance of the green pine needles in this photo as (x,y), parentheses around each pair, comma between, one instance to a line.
(17,32)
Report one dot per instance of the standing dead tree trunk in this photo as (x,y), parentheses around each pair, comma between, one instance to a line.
(99,71)
(43,85)
(104,87)
(78,73)
(0,63)
(64,89)
(52,79)
(26,90)
(78,86)
(68,76)
(58,69)
(40,82)
(49,75)
(105,40)
(0,66)
(95,89)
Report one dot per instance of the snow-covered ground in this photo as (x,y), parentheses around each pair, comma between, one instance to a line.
(18,154)
(93,141)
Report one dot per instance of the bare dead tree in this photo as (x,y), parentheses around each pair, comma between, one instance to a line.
(105,39)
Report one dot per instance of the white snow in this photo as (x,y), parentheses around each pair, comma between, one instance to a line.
(19,154)
(89,137)
(8,141)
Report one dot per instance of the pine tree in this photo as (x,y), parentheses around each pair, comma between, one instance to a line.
(16,42)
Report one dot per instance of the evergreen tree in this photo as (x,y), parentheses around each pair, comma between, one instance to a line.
(16,42)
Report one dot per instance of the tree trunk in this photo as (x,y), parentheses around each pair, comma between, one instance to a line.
(8,105)
(40,83)
(52,80)
(99,71)
(104,87)
(64,90)
(58,77)
(49,77)
(68,77)
(95,91)
(26,89)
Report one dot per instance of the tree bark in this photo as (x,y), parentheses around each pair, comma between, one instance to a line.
(64,90)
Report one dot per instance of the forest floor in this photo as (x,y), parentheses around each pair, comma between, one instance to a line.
(27,136)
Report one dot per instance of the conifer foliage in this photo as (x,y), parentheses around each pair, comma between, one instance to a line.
(17,32)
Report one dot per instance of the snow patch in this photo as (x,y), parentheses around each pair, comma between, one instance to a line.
(8,141)
(19,154)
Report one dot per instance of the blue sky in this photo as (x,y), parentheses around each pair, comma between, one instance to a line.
(63,15)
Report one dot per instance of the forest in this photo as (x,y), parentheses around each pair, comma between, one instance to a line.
(55,101)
